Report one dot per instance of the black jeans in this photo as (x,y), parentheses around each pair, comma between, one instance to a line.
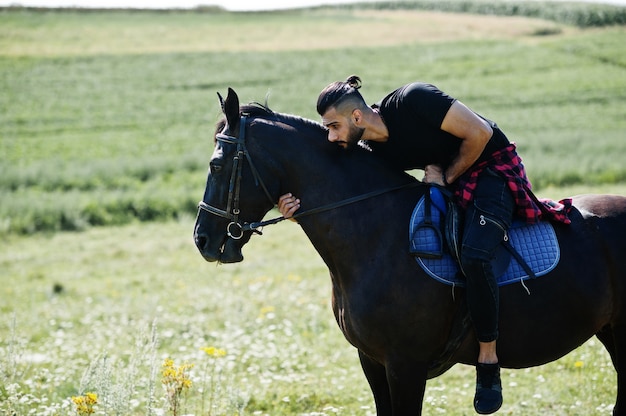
(487,221)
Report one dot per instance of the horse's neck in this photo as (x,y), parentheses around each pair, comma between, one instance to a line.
(323,173)
(320,174)
(351,234)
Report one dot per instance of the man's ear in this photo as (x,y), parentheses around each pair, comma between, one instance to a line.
(357,116)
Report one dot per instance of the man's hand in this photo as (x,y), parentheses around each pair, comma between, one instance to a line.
(433,174)
(288,205)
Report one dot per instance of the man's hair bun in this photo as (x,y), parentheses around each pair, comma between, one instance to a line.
(354,81)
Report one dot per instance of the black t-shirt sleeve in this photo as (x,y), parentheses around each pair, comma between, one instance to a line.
(413,115)
(429,102)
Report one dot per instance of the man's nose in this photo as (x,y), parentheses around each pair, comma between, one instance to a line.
(332,136)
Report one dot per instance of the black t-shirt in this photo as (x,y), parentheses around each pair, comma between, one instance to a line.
(413,115)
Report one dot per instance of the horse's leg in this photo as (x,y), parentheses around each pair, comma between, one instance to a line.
(614,339)
(377,379)
(407,383)
(398,390)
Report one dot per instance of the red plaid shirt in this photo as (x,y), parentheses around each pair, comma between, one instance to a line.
(509,165)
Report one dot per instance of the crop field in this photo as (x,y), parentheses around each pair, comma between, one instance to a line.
(106,125)
(107,118)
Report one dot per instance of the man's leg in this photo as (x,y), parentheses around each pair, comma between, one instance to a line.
(486,224)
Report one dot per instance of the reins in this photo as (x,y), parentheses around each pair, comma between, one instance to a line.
(254,226)
(235,229)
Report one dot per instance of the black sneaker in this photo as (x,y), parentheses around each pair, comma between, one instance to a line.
(488,398)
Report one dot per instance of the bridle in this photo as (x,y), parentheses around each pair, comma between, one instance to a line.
(236,229)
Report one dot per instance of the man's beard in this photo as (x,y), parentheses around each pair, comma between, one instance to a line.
(354,136)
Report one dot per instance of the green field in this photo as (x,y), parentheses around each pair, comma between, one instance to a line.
(107,118)
(106,124)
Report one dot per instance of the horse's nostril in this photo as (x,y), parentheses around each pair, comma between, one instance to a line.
(200,240)
(205,247)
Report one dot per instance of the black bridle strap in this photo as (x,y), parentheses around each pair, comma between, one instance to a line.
(242,150)
(257,177)
(254,226)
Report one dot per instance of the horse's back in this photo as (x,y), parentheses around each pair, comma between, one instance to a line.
(602,206)
(604,225)
(603,218)
(597,237)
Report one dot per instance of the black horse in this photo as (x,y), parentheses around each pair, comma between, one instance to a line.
(406,326)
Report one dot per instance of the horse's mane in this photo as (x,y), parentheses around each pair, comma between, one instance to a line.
(255,109)
(360,156)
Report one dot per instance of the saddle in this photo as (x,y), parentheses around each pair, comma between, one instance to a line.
(435,234)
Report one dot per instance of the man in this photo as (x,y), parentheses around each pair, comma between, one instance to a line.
(418,126)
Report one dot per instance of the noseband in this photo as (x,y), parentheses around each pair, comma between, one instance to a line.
(235,229)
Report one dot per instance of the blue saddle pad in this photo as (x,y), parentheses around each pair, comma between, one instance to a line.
(536,243)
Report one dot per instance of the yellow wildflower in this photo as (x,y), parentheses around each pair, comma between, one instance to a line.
(84,404)
(175,376)
(265,311)
(214,352)
(294,278)
(175,381)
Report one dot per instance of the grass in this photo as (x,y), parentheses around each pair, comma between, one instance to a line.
(96,310)
(107,132)
(101,125)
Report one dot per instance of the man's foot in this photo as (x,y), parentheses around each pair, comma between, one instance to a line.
(488,398)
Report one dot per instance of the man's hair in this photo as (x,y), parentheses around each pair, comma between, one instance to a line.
(339,93)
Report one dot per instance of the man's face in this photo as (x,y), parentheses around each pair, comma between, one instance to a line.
(341,129)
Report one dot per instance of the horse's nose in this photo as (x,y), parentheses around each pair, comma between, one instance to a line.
(200,240)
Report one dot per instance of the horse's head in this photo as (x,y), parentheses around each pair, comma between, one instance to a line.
(235,194)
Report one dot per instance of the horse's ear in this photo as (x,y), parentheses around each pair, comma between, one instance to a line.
(221,101)
(230,107)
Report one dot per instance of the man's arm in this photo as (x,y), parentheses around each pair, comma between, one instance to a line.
(474,133)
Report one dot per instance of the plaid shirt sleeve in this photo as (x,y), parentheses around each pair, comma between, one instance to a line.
(507,162)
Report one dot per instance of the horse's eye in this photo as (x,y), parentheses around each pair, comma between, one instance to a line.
(215,168)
